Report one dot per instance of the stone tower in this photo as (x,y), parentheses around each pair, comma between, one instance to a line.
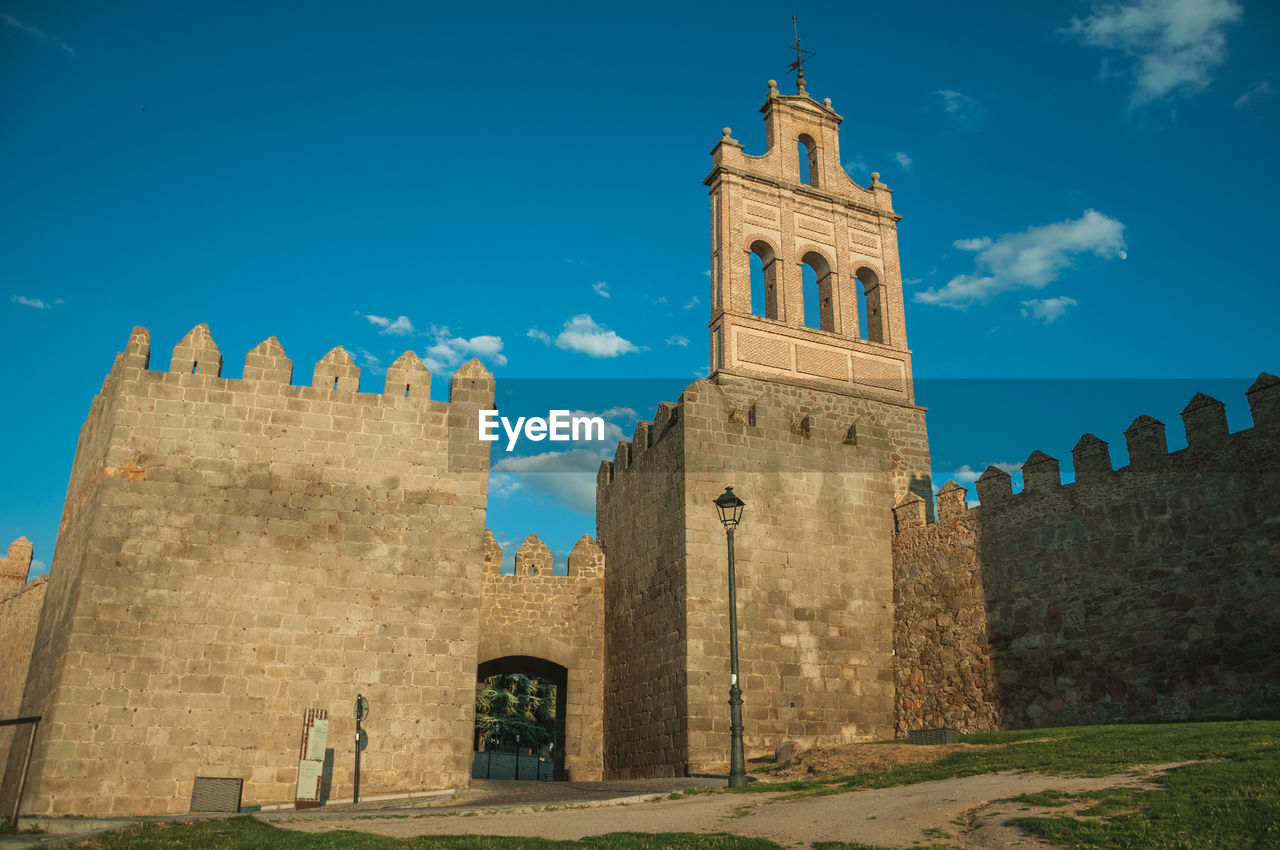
(816,429)
(236,551)
(793,207)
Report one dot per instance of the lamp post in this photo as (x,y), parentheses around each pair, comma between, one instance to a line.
(730,508)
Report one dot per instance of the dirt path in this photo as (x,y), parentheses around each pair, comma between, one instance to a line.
(892,817)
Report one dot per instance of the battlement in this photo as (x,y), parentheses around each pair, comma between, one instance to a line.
(15,568)
(647,435)
(1205,424)
(1136,594)
(534,559)
(268,369)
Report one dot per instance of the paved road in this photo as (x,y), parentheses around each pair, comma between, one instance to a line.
(894,817)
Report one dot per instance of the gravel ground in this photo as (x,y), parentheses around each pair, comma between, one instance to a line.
(892,817)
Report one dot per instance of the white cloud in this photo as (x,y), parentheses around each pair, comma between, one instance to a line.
(963,111)
(613,431)
(1047,309)
(855,166)
(541,336)
(692,302)
(38,568)
(1254,93)
(583,335)
(368,362)
(37,32)
(903,160)
(1031,259)
(449,351)
(662,299)
(568,477)
(1174,45)
(678,341)
(33,302)
(503,484)
(399,326)
(602,289)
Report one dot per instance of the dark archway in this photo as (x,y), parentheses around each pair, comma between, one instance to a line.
(543,669)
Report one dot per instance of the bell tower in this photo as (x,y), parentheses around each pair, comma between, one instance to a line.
(793,207)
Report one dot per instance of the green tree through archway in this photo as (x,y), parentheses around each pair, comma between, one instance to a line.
(515,711)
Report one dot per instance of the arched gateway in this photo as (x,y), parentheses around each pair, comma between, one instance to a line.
(551,627)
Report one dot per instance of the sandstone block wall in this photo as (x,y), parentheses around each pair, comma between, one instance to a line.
(20,605)
(1139,594)
(639,524)
(819,472)
(234,552)
(558,619)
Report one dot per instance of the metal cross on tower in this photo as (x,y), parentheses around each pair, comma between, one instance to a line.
(801,55)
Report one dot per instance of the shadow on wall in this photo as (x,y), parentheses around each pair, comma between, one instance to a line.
(1145,593)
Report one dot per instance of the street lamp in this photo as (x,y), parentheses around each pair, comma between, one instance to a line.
(730,508)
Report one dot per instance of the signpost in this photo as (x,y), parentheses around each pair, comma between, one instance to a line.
(362,712)
(315,733)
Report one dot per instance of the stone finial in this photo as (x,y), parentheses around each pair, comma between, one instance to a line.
(994,486)
(1205,419)
(337,371)
(951,501)
(910,512)
(773,89)
(726,141)
(408,378)
(492,553)
(267,361)
(1091,459)
(1040,473)
(533,558)
(197,352)
(137,353)
(472,384)
(1146,441)
(1264,401)
(826,101)
(586,558)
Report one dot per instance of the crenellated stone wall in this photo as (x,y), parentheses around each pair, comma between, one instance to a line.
(560,619)
(234,552)
(20,604)
(1139,594)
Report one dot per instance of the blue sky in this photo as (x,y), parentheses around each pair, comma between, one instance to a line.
(1088,192)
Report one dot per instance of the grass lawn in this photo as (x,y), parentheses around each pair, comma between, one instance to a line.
(245,833)
(1229,798)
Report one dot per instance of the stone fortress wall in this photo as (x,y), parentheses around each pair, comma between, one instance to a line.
(819,470)
(560,619)
(236,551)
(20,605)
(1140,594)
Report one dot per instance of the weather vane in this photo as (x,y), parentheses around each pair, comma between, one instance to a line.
(801,55)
